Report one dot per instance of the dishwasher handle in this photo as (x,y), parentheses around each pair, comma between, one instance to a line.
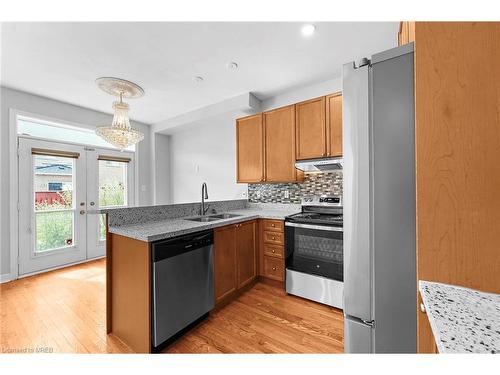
(175,246)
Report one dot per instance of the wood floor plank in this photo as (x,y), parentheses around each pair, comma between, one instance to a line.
(65,310)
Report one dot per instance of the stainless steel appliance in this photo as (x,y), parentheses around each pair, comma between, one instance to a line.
(379,204)
(323,164)
(314,251)
(183,286)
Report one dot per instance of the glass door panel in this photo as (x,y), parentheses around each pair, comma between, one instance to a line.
(52,180)
(111,187)
(53,202)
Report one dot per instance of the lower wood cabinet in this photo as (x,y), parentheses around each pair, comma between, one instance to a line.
(235,258)
(272,244)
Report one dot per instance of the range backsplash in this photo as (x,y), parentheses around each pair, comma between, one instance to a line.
(315,183)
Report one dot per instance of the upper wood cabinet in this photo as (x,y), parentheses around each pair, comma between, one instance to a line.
(310,129)
(334,125)
(406,33)
(279,130)
(250,149)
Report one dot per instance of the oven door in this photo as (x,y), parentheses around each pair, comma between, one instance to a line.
(314,249)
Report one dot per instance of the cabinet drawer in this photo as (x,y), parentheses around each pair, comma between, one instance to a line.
(273,250)
(273,225)
(275,238)
(273,268)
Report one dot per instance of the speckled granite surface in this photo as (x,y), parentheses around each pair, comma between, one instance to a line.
(155,230)
(462,320)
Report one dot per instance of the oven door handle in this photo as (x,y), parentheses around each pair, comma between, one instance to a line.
(317,227)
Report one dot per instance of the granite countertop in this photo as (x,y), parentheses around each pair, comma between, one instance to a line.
(462,320)
(160,229)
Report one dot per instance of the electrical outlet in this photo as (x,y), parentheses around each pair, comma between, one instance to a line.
(258,194)
(287,194)
(244,194)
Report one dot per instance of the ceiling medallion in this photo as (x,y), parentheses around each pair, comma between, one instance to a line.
(120,134)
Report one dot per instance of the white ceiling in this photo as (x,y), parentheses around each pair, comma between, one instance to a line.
(62,60)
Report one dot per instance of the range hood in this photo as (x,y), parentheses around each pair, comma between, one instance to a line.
(320,165)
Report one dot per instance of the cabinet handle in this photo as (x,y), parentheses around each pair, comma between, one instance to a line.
(274,268)
(273,251)
(272,225)
(274,238)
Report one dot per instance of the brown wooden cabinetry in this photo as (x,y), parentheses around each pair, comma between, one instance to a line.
(250,149)
(279,133)
(235,258)
(272,249)
(310,129)
(334,125)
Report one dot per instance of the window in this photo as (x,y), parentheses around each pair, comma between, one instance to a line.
(59,132)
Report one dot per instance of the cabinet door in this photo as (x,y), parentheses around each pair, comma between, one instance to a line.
(334,124)
(246,249)
(279,130)
(224,261)
(311,129)
(249,149)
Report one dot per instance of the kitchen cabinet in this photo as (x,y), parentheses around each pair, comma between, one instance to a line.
(235,258)
(250,149)
(310,124)
(279,133)
(224,262)
(272,249)
(246,252)
(334,125)
(406,33)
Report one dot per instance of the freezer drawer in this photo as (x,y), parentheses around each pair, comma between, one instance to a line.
(357,336)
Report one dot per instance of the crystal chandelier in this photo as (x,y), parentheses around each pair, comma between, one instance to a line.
(120,134)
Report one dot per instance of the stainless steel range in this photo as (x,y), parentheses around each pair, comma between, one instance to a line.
(314,255)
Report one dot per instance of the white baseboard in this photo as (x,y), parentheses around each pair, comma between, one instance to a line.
(4,278)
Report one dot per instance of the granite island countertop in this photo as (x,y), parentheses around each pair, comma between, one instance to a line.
(462,320)
(155,230)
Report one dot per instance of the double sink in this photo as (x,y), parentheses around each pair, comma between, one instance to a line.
(214,217)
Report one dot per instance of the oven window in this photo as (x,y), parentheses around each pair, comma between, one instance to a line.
(318,252)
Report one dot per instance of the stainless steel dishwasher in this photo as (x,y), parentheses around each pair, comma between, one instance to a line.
(183,284)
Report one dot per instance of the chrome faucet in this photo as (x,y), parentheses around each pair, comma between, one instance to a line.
(204,195)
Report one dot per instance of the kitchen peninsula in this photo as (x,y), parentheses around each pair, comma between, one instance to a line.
(236,229)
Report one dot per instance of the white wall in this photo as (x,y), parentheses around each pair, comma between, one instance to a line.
(211,145)
(13,99)
(161,169)
(205,152)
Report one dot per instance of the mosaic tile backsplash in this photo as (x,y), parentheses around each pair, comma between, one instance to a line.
(315,183)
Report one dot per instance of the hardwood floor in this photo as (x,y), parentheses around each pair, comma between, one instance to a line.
(65,310)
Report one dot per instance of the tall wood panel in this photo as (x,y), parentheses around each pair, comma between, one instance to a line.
(457,157)
(249,149)
(279,130)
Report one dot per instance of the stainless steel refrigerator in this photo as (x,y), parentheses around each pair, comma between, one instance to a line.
(379,203)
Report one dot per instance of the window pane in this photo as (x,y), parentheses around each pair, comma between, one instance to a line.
(102,227)
(112,183)
(53,230)
(59,132)
(53,182)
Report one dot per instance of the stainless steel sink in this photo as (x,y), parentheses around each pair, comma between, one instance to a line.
(225,216)
(203,218)
(208,218)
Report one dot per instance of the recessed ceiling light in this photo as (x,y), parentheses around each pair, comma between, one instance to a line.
(308,30)
(198,79)
(232,65)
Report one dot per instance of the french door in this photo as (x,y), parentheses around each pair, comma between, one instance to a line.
(61,187)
